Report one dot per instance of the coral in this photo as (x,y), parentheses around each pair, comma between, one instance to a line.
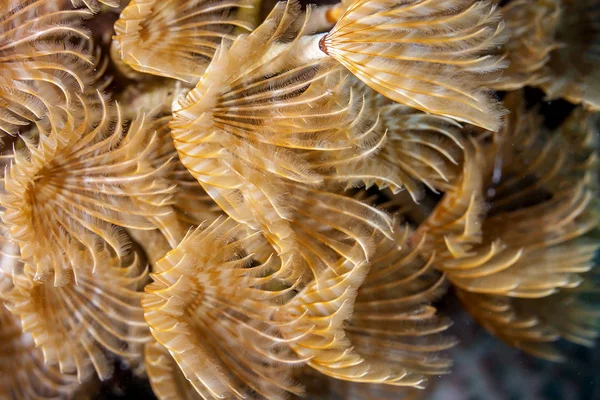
(238,208)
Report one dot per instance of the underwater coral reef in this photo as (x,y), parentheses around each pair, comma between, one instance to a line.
(236,199)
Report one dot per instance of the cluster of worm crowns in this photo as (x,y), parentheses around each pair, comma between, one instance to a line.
(234,199)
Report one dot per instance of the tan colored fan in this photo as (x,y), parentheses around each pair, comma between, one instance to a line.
(66,192)
(392,333)
(213,311)
(75,324)
(532,27)
(264,132)
(427,54)
(45,60)
(573,71)
(177,38)
(23,374)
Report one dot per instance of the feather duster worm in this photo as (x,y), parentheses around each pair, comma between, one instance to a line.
(392,334)
(39,73)
(19,357)
(542,182)
(331,231)
(66,193)
(573,71)
(166,378)
(223,337)
(20,360)
(191,203)
(263,130)
(535,325)
(427,149)
(393,321)
(427,54)
(531,249)
(175,38)
(532,28)
(539,200)
(75,323)
(294,121)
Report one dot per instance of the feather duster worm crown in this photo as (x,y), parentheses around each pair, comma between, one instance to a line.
(380,343)
(548,186)
(247,208)
(45,60)
(194,30)
(422,53)
(270,168)
(75,324)
(232,305)
(317,116)
(78,183)
(18,347)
